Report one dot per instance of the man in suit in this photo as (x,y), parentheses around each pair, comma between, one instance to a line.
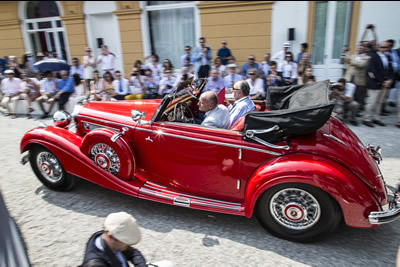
(357,73)
(202,58)
(380,79)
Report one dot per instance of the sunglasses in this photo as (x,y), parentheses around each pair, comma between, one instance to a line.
(252,74)
(251,58)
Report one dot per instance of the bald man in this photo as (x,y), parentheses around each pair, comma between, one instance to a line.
(216,115)
(242,104)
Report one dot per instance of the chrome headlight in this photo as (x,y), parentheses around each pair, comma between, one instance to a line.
(61,118)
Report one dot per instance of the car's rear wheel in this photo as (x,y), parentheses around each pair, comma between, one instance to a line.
(298,212)
(49,170)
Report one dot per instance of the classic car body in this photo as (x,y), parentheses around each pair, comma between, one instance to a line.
(300,187)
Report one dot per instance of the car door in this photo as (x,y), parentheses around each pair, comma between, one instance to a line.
(190,158)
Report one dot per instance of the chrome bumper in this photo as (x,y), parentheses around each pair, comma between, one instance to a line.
(387,216)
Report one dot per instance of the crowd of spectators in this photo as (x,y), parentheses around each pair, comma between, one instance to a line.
(372,71)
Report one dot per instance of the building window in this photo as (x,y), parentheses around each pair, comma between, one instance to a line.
(44,29)
(171,25)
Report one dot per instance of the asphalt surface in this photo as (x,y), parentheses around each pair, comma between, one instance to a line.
(56,226)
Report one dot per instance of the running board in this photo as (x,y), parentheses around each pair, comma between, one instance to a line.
(155,192)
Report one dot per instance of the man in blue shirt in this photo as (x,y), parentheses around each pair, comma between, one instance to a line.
(224,53)
(242,104)
(187,54)
(202,56)
(65,89)
(250,64)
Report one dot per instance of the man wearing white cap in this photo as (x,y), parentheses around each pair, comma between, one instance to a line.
(11,88)
(112,247)
(280,57)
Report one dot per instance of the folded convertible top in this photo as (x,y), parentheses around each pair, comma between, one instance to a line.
(297,110)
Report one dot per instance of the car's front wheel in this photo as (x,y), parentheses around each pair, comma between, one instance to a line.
(298,212)
(49,170)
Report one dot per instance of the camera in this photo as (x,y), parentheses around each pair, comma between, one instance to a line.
(185,76)
(370,26)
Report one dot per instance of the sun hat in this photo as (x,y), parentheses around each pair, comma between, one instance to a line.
(231,65)
(9,72)
(39,54)
(87,49)
(123,227)
(286,44)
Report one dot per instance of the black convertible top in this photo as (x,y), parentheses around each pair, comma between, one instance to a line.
(297,110)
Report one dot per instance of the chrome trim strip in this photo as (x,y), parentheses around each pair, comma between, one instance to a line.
(335,138)
(100,126)
(192,201)
(212,142)
(150,186)
(111,122)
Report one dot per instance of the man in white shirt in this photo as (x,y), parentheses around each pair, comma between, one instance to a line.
(280,57)
(215,82)
(342,95)
(242,104)
(231,79)
(11,88)
(120,85)
(48,89)
(215,115)
(31,91)
(107,60)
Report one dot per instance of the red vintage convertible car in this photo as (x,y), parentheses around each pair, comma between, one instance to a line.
(299,170)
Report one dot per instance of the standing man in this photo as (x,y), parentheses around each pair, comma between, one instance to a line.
(216,115)
(224,52)
(11,88)
(280,57)
(380,79)
(187,54)
(357,73)
(242,104)
(303,49)
(202,56)
(107,60)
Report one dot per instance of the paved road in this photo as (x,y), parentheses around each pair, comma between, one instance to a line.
(57,225)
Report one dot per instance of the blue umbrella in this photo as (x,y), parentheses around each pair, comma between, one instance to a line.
(52,64)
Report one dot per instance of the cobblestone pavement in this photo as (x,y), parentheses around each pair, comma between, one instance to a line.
(57,225)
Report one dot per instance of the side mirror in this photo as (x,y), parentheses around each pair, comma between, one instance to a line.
(137,115)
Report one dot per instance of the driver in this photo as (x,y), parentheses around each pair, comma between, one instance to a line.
(216,115)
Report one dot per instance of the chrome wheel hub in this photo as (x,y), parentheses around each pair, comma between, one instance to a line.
(49,166)
(295,208)
(106,158)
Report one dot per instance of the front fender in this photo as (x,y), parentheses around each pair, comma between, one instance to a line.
(353,196)
(66,147)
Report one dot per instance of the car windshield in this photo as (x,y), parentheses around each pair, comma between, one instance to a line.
(185,90)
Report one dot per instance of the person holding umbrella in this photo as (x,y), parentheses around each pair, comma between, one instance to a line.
(65,89)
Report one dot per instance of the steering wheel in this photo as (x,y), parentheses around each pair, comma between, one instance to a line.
(180,111)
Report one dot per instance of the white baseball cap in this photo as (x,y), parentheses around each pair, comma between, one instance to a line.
(9,72)
(286,44)
(123,227)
